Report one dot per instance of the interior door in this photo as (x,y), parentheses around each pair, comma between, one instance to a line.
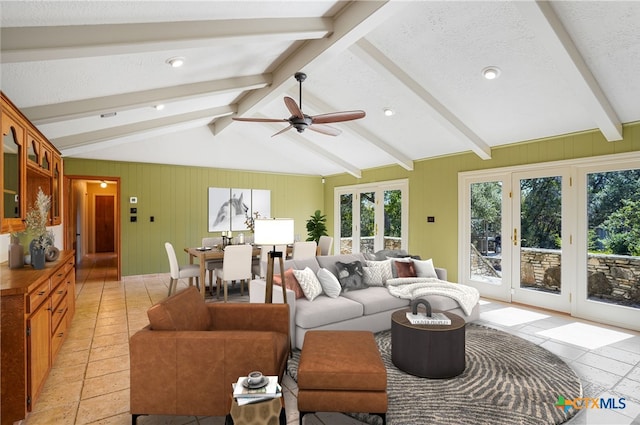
(105,224)
(540,234)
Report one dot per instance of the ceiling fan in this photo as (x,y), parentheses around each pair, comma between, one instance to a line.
(301,121)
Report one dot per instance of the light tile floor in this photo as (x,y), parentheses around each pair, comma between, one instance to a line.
(89,382)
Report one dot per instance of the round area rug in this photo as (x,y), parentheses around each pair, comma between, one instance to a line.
(507,380)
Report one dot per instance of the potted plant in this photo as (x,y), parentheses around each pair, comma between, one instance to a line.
(36,229)
(316,226)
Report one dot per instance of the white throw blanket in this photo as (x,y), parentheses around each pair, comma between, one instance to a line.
(416,287)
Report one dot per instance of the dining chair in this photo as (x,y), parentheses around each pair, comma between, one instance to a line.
(325,244)
(260,269)
(179,272)
(211,265)
(302,250)
(236,265)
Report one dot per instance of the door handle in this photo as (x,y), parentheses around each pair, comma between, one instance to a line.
(515,237)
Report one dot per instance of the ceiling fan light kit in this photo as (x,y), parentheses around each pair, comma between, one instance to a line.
(301,121)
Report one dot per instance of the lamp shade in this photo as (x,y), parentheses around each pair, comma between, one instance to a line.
(273,231)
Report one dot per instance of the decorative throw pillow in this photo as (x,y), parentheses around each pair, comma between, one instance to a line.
(330,285)
(290,282)
(394,260)
(351,276)
(405,269)
(376,273)
(309,283)
(425,268)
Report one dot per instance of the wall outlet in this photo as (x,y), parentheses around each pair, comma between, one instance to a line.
(431,219)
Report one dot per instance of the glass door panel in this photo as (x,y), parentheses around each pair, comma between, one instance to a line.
(538,236)
(485,256)
(368,227)
(610,289)
(346,223)
(392,219)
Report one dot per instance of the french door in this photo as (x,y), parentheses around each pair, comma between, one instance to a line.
(563,236)
(370,218)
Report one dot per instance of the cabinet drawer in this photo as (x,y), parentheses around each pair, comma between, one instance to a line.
(58,294)
(58,276)
(37,296)
(58,314)
(57,339)
(69,265)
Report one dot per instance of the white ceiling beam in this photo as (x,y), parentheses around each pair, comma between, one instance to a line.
(26,44)
(359,131)
(64,111)
(165,124)
(301,140)
(377,60)
(352,23)
(556,40)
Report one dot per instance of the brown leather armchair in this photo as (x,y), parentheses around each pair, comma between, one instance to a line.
(185,360)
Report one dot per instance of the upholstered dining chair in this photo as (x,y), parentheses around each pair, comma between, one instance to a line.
(211,265)
(260,269)
(236,265)
(302,250)
(179,272)
(325,244)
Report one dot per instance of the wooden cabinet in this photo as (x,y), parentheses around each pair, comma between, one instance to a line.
(36,307)
(30,162)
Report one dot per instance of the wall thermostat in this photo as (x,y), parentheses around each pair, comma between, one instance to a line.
(133,200)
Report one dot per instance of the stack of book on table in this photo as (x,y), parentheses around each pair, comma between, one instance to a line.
(423,319)
(246,394)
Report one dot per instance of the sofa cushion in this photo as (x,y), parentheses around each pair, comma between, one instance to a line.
(324,310)
(329,261)
(376,273)
(376,299)
(312,263)
(288,264)
(383,254)
(351,276)
(183,311)
(330,284)
(290,282)
(309,283)
(425,268)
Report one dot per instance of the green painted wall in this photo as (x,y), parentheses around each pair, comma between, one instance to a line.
(177,197)
(433,185)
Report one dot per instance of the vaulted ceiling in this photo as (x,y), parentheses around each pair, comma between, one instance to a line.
(564,67)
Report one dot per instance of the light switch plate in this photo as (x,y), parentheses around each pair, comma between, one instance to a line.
(133,200)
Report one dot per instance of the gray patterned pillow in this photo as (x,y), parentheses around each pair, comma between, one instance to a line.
(376,273)
(351,276)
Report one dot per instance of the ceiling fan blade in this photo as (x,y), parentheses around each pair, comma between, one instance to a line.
(337,117)
(260,119)
(325,129)
(292,106)
(282,131)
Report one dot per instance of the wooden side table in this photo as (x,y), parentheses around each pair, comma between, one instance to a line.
(270,412)
(428,351)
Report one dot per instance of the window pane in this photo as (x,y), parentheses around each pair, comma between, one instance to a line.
(486,240)
(367,221)
(392,219)
(613,257)
(346,223)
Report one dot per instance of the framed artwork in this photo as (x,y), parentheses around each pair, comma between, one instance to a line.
(229,209)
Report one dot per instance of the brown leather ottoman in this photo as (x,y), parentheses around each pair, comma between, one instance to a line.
(341,371)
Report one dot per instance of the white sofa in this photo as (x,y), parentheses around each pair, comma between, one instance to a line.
(364,309)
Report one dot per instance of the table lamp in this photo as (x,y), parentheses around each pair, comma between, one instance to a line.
(273,231)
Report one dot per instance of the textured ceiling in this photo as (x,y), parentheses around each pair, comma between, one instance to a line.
(565,67)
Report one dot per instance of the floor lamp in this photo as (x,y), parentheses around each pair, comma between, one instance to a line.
(273,231)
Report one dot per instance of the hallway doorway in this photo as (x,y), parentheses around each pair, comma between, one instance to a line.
(92,218)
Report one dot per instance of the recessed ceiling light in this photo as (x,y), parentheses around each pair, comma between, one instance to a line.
(388,112)
(159,107)
(491,72)
(108,115)
(176,62)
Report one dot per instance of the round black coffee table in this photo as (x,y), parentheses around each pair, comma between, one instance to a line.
(428,351)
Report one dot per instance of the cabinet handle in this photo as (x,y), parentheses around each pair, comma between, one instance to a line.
(60,291)
(41,293)
(61,334)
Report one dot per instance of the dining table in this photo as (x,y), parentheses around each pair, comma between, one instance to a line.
(204,254)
